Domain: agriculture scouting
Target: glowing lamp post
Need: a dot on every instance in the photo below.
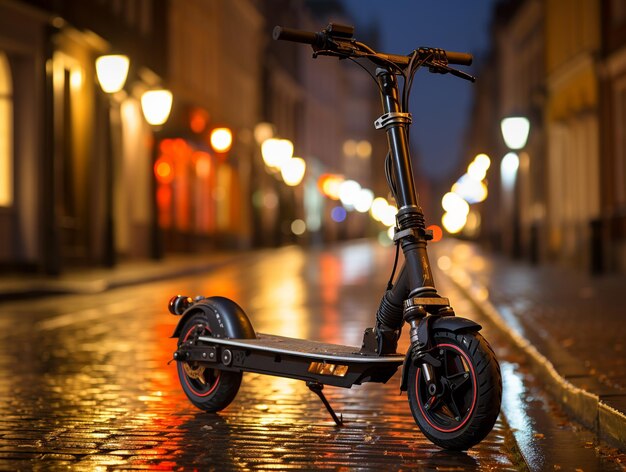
(293, 171)
(221, 140)
(156, 106)
(515, 132)
(276, 152)
(111, 71)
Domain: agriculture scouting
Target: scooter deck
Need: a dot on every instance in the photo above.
(304, 348)
(311, 361)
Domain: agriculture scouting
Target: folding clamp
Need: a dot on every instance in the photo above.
(393, 118)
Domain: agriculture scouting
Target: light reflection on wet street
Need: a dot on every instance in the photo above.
(85, 380)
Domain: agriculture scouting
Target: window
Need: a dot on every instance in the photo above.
(6, 132)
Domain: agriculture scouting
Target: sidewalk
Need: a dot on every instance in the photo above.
(85, 281)
(571, 325)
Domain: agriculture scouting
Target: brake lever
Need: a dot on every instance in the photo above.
(439, 68)
(461, 74)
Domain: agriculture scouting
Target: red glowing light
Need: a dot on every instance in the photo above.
(437, 233)
(163, 171)
(166, 146)
(198, 120)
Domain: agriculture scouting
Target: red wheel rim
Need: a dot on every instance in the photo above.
(470, 411)
(186, 378)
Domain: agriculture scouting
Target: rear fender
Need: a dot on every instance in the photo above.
(453, 324)
(231, 318)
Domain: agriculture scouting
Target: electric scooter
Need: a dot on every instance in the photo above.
(450, 372)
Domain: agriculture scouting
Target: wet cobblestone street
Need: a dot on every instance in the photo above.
(86, 383)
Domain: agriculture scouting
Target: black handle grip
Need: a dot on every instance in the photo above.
(461, 58)
(297, 36)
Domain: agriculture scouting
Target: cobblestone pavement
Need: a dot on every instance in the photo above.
(85, 382)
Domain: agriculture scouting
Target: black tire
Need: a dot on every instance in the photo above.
(469, 391)
(208, 389)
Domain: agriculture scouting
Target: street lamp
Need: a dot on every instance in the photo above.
(293, 171)
(156, 106)
(276, 152)
(111, 71)
(221, 140)
(515, 132)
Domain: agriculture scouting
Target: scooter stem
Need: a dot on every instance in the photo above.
(411, 232)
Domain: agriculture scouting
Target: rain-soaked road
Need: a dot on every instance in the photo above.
(85, 380)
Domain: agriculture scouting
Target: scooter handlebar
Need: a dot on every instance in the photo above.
(297, 36)
(319, 40)
(460, 58)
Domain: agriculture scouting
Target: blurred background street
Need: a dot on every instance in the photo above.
(149, 148)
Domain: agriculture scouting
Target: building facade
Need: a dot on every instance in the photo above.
(560, 65)
(86, 182)
(62, 140)
(610, 235)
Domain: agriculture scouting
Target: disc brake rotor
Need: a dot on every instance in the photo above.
(194, 372)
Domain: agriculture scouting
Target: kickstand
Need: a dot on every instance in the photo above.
(317, 389)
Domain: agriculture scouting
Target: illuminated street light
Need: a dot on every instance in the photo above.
(329, 185)
(476, 172)
(221, 139)
(348, 193)
(298, 227)
(389, 216)
(483, 161)
(515, 131)
(377, 210)
(293, 171)
(363, 149)
(349, 148)
(276, 152)
(453, 203)
(364, 200)
(156, 106)
(471, 190)
(112, 71)
(508, 169)
(453, 222)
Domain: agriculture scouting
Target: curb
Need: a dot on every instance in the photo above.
(587, 408)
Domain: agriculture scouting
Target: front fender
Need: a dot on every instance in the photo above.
(235, 321)
(442, 323)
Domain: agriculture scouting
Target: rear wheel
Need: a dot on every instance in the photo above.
(208, 389)
(466, 403)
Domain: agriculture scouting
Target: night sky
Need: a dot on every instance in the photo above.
(440, 104)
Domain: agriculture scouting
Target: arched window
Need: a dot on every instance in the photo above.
(6, 132)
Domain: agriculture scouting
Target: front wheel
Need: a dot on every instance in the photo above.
(468, 383)
(208, 389)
